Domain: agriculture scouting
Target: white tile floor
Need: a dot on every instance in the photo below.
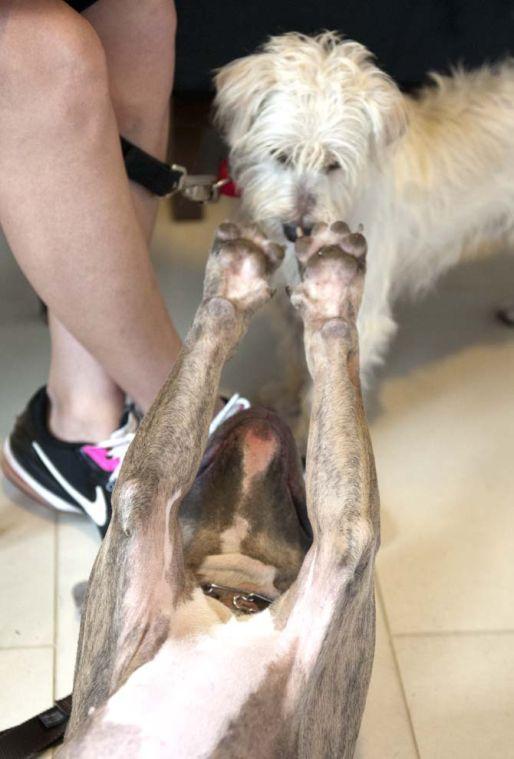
(443, 431)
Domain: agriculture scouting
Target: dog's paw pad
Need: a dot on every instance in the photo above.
(322, 236)
(332, 264)
(230, 236)
(241, 263)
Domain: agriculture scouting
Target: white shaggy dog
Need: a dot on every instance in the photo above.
(317, 132)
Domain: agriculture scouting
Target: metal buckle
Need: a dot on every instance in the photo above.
(249, 603)
(199, 188)
(246, 602)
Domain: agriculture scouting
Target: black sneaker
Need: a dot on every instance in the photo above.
(73, 477)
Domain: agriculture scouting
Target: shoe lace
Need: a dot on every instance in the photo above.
(235, 404)
(117, 444)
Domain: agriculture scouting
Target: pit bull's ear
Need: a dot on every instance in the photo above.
(241, 89)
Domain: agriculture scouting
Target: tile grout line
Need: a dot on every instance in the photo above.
(396, 663)
(450, 633)
(29, 647)
(56, 603)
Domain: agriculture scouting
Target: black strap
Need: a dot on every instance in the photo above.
(38, 733)
(158, 177)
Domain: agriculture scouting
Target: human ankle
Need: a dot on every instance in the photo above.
(88, 419)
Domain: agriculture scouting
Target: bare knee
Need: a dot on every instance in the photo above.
(156, 22)
(52, 67)
(140, 53)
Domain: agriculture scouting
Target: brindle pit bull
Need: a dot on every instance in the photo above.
(165, 668)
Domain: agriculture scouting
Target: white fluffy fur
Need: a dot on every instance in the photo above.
(430, 178)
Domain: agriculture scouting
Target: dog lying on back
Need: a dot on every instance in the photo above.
(317, 131)
(230, 610)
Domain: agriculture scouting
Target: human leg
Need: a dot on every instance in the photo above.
(138, 40)
(61, 168)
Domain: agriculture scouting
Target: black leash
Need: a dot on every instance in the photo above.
(38, 733)
(158, 177)
(163, 179)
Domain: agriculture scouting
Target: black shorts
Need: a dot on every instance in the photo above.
(80, 5)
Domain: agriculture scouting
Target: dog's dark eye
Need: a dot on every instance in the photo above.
(333, 166)
(282, 158)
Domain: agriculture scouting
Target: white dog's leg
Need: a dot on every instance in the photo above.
(376, 325)
(376, 330)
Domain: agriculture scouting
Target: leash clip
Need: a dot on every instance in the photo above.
(248, 602)
(199, 188)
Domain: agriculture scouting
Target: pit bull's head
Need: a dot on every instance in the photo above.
(245, 521)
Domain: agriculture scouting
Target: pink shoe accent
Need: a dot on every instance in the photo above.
(101, 457)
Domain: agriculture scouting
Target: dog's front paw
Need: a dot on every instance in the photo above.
(332, 266)
(240, 266)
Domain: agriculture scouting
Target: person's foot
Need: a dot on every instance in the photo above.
(75, 477)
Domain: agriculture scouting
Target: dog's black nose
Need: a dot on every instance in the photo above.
(290, 231)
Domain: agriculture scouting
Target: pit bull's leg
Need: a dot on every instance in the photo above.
(340, 478)
(138, 578)
(331, 609)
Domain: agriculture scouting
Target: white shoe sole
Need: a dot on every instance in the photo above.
(28, 485)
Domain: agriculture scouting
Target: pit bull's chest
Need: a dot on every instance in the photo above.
(211, 679)
(184, 700)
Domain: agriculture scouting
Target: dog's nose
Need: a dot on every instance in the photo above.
(291, 230)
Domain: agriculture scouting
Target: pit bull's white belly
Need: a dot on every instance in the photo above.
(181, 702)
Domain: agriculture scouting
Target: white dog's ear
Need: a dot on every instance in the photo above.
(241, 89)
(386, 109)
(377, 93)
